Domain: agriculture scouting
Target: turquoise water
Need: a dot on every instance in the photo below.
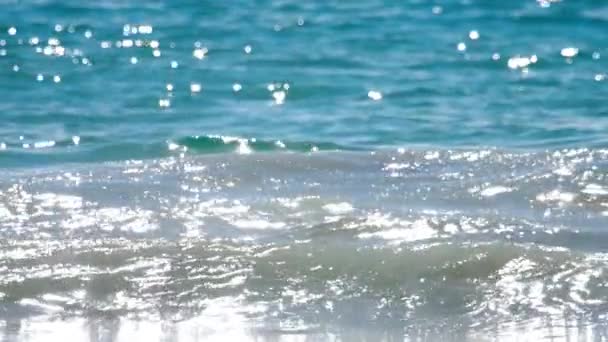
(329, 56)
(289, 170)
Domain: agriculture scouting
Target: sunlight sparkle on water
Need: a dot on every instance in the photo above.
(164, 103)
(199, 53)
(374, 95)
(569, 52)
(195, 87)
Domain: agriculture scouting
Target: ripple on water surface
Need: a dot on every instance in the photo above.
(291, 243)
(290, 171)
(462, 75)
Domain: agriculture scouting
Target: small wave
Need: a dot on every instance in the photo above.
(477, 237)
(86, 149)
(224, 144)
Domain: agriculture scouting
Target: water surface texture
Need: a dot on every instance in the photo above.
(303, 171)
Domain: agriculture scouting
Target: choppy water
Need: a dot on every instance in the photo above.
(284, 170)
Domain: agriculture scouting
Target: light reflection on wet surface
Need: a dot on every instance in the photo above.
(224, 217)
(294, 246)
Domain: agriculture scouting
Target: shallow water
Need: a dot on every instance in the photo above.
(479, 245)
(293, 171)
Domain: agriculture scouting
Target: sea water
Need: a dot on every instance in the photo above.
(303, 171)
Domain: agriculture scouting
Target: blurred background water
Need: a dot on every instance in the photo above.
(126, 77)
(291, 170)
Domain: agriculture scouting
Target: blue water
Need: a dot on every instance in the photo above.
(286, 170)
(331, 55)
